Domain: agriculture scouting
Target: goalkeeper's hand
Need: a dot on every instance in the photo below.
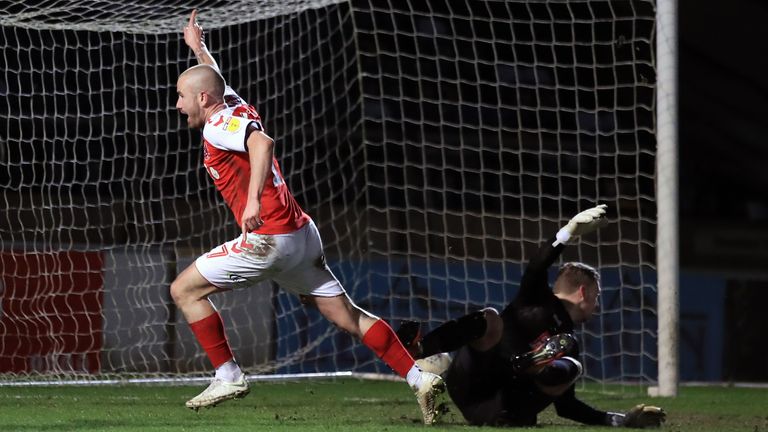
(584, 222)
(639, 417)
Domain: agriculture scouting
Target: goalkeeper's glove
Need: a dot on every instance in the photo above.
(640, 416)
(584, 222)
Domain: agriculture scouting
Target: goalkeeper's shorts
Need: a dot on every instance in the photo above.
(295, 261)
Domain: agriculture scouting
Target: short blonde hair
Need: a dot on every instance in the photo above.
(575, 274)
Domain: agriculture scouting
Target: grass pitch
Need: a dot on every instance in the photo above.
(333, 405)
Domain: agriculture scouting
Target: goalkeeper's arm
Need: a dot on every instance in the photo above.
(533, 284)
(195, 40)
(640, 416)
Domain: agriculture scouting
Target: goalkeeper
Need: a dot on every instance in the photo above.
(278, 241)
(511, 366)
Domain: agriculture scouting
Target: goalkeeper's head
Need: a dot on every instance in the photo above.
(578, 285)
(201, 93)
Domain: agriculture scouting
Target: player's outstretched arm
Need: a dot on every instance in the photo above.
(195, 40)
(640, 417)
(583, 223)
(534, 281)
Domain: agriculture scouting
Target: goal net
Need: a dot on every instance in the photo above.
(435, 143)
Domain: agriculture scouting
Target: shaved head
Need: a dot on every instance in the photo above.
(204, 78)
(201, 93)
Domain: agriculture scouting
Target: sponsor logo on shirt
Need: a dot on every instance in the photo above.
(232, 125)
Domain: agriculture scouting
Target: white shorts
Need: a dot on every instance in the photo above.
(295, 261)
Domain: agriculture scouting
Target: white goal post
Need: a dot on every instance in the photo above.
(667, 233)
(435, 143)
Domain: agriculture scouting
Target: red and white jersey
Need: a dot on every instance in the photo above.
(225, 157)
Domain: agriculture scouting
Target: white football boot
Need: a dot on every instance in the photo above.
(219, 391)
(432, 386)
(436, 364)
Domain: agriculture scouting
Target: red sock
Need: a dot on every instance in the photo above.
(209, 332)
(382, 340)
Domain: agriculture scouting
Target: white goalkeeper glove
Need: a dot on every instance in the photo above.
(584, 222)
(639, 417)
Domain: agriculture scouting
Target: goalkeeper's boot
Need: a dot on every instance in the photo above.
(553, 348)
(409, 334)
(219, 391)
(428, 395)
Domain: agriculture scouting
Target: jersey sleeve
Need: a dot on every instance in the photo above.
(228, 132)
(229, 128)
(568, 406)
(534, 282)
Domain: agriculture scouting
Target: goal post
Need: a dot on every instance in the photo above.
(435, 143)
(667, 245)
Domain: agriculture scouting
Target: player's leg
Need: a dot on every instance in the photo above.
(190, 292)
(482, 330)
(374, 332)
(484, 397)
(241, 262)
(377, 335)
(311, 278)
(552, 370)
(551, 349)
(556, 377)
(494, 327)
(476, 387)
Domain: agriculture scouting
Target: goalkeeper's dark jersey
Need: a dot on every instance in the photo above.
(533, 316)
(484, 385)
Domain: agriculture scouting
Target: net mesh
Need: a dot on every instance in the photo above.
(436, 144)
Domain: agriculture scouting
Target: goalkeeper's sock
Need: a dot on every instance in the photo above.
(209, 332)
(564, 370)
(381, 339)
(454, 334)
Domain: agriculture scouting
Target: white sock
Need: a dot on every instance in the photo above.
(414, 377)
(229, 372)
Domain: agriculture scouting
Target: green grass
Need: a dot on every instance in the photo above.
(333, 405)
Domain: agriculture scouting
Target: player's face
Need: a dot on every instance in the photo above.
(590, 303)
(188, 104)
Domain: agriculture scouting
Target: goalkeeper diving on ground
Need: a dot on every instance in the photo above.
(509, 367)
(278, 240)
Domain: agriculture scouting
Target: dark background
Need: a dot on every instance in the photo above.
(723, 178)
(723, 143)
(144, 165)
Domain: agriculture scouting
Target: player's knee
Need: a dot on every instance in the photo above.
(473, 325)
(490, 323)
(494, 323)
(182, 293)
(490, 314)
(178, 293)
(558, 376)
(342, 314)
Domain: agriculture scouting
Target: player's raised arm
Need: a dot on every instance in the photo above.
(533, 285)
(195, 40)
